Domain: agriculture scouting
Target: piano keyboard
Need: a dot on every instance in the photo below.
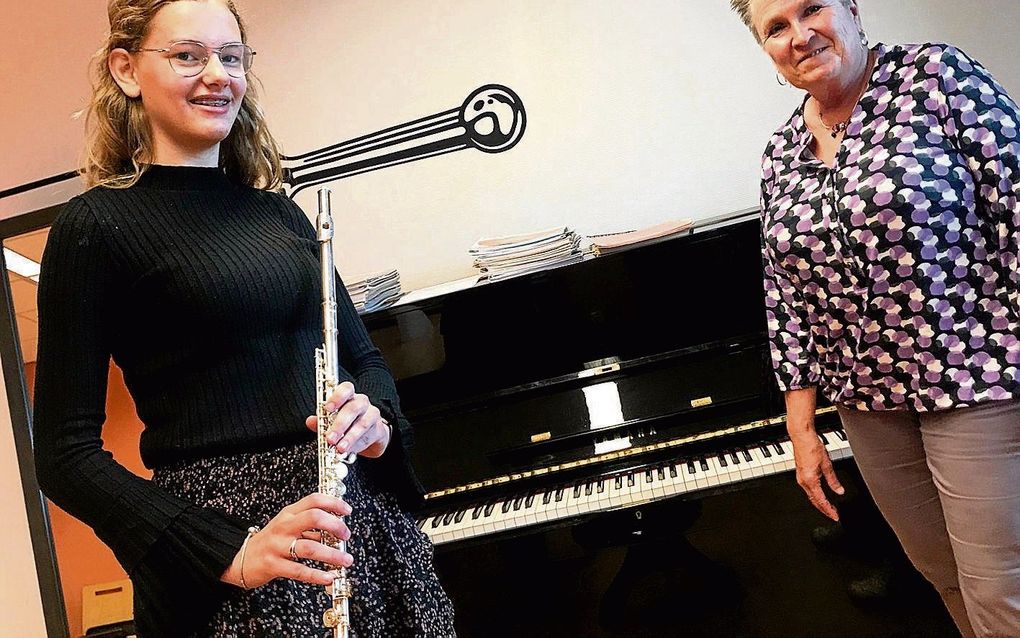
(623, 489)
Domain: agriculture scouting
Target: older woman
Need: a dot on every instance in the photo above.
(891, 222)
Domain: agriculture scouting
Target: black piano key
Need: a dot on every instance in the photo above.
(475, 513)
(690, 467)
(436, 521)
(546, 498)
(588, 488)
(747, 456)
(507, 504)
(421, 523)
(577, 490)
(488, 508)
(528, 502)
(704, 464)
(448, 517)
(734, 458)
(460, 516)
(722, 460)
(648, 476)
(601, 486)
(766, 451)
(824, 438)
(778, 448)
(618, 483)
(630, 480)
(661, 472)
(559, 495)
(841, 434)
(672, 471)
(518, 502)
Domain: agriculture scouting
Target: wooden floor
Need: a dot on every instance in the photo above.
(740, 564)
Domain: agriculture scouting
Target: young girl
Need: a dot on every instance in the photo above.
(184, 266)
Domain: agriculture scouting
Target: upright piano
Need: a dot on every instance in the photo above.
(561, 414)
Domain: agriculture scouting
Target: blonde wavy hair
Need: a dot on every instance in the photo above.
(118, 137)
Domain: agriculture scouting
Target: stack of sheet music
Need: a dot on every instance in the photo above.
(375, 291)
(501, 257)
(613, 242)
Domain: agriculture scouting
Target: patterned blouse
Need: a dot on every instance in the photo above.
(892, 279)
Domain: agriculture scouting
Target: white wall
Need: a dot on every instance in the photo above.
(20, 605)
(638, 111)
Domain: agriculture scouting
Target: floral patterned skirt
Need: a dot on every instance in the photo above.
(396, 592)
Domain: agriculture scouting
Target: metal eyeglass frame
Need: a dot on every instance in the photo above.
(208, 56)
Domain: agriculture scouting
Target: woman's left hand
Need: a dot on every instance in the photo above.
(357, 427)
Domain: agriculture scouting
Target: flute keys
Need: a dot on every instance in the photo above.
(330, 618)
(341, 471)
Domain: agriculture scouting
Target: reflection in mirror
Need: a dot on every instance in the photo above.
(95, 587)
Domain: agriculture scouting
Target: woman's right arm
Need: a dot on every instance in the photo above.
(813, 462)
(173, 550)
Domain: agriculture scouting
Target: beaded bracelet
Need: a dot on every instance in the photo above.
(244, 546)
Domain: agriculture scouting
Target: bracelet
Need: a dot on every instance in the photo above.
(244, 546)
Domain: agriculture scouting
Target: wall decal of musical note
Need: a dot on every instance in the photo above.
(491, 119)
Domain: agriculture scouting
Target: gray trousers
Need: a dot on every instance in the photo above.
(948, 482)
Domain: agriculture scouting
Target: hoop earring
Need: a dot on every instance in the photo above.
(780, 81)
(864, 39)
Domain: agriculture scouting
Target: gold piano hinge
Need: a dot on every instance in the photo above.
(702, 402)
(538, 438)
(695, 438)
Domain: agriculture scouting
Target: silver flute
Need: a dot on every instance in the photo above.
(333, 466)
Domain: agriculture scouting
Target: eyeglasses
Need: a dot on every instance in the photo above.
(189, 58)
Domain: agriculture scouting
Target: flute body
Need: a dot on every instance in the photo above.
(333, 466)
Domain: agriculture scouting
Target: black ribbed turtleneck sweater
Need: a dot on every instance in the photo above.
(206, 294)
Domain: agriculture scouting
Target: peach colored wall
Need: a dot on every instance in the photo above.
(81, 557)
(43, 52)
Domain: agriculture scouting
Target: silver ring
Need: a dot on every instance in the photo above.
(293, 549)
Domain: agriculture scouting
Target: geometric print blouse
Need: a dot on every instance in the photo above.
(892, 278)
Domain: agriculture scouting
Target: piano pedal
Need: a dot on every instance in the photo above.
(657, 520)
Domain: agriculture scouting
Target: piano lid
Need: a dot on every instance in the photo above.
(549, 327)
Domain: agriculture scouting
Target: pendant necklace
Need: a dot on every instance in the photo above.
(839, 127)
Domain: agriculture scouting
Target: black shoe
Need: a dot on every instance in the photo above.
(873, 590)
(887, 585)
(830, 538)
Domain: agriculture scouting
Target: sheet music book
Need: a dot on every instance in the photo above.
(374, 291)
(502, 257)
(612, 242)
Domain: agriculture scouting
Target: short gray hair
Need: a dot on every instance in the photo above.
(743, 9)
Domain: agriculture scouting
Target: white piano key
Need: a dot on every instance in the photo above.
(787, 455)
(757, 461)
(716, 474)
